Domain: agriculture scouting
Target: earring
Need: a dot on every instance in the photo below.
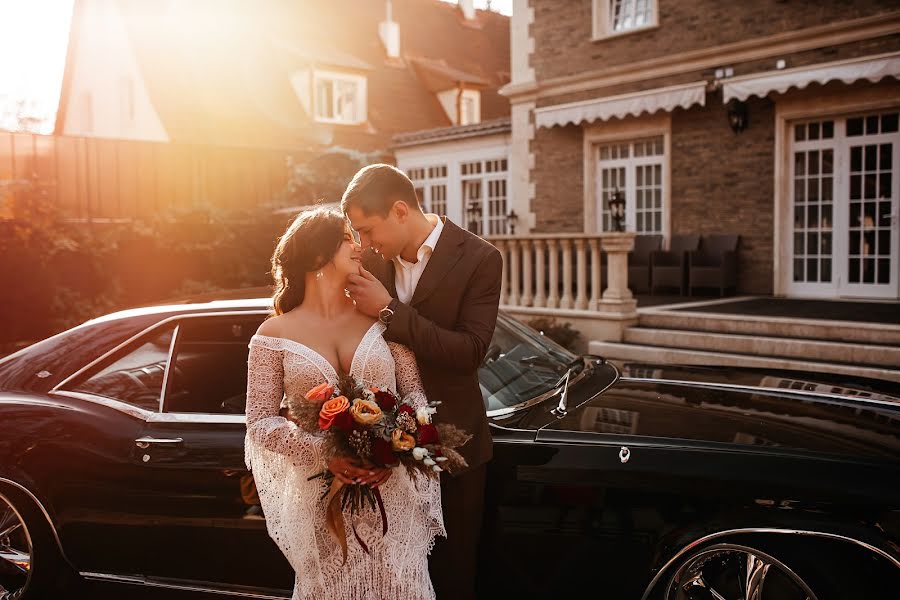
(319, 274)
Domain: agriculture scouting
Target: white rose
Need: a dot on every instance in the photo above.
(423, 415)
(419, 453)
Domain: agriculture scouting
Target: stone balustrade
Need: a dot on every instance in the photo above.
(563, 271)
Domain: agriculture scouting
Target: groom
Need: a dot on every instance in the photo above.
(437, 288)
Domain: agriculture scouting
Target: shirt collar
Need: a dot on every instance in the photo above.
(427, 246)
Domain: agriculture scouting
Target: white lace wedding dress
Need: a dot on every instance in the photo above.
(281, 456)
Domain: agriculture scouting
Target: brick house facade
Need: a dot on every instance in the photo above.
(594, 80)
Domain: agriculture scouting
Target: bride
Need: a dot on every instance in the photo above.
(316, 334)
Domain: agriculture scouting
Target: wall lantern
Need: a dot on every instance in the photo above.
(617, 209)
(737, 115)
(473, 214)
(511, 220)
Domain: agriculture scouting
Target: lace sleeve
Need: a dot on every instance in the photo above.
(409, 384)
(267, 431)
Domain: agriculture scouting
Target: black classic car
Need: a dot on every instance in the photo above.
(121, 460)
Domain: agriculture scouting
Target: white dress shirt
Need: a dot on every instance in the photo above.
(407, 274)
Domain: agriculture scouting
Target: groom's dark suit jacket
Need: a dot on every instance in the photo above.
(448, 324)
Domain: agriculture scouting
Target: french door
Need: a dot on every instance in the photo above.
(845, 200)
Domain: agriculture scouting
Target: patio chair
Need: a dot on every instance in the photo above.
(715, 264)
(668, 268)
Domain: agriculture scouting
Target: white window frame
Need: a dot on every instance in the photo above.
(360, 101)
(628, 130)
(432, 176)
(498, 175)
(602, 19)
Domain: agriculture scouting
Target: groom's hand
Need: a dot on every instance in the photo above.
(368, 293)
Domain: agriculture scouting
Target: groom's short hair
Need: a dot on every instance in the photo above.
(375, 188)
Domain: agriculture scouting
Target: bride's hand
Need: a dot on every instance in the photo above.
(349, 472)
(382, 474)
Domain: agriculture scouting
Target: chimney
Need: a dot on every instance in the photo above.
(468, 9)
(389, 32)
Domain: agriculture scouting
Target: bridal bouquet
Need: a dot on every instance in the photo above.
(375, 427)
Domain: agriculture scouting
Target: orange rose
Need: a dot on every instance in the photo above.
(365, 412)
(332, 409)
(401, 442)
(320, 393)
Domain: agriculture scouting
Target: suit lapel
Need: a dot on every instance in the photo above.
(445, 256)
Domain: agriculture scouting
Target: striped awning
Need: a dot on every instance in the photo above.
(634, 104)
(871, 68)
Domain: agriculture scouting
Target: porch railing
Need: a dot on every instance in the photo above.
(563, 271)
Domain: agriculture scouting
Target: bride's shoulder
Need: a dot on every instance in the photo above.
(272, 327)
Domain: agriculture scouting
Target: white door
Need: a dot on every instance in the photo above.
(844, 204)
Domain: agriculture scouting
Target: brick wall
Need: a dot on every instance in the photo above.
(562, 29)
(558, 175)
(723, 182)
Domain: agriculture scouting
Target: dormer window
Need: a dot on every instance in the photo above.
(339, 97)
(616, 17)
(462, 108)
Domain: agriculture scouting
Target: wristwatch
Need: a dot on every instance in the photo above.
(387, 313)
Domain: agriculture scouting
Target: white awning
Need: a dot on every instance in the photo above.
(635, 104)
(872, 68)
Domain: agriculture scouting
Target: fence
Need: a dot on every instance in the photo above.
(99, 179)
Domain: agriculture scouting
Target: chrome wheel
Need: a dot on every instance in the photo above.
(15, 552)
(732, 572)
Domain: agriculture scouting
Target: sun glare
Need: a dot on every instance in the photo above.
(33, 39)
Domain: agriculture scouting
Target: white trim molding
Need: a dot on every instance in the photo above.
(635, 104)
(871, 68)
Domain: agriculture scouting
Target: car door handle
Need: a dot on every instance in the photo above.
(144, 442)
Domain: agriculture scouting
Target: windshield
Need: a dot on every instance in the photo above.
(521, 364)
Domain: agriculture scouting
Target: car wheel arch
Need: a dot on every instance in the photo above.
(39, 506)
(764, 539)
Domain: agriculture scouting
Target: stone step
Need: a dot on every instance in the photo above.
(810, 329)
(757, 345)
(663, 355)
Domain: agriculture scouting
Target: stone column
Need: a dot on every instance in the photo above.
(514, 273)
(617, 297)
(566, 300)
(595, 275)
(553, 259)
(527, 278)
(540, 281)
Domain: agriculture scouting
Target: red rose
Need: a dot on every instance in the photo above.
(343, 421)
(386, 400)
(382, 453)
(406, 408)
(428, 434)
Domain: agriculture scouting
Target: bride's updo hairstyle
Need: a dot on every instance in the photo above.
(309, 243)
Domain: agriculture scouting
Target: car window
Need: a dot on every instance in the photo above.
(209, 365)
(520, 364)
(135, 377)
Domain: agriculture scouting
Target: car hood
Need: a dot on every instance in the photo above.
(680, 405)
